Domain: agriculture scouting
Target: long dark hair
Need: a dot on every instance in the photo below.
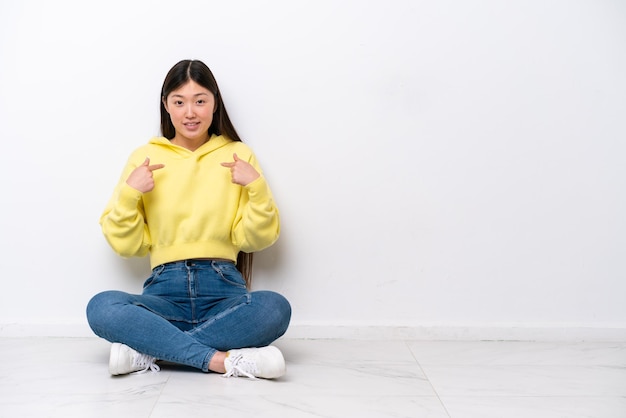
(197, 71)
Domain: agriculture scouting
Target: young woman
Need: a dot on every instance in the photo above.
(196, 201)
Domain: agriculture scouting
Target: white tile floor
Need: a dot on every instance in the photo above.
(57, 377)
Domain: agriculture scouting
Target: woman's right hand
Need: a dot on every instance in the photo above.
(141, 178)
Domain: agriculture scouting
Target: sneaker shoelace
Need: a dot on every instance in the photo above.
(145, 362)
(241, 367)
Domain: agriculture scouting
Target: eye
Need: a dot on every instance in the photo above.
(178, 102)
(201, 101)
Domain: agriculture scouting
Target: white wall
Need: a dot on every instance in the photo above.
(451, 164)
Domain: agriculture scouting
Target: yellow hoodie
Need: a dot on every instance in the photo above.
(194, 210)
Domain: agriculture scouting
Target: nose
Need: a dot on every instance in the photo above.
(189, 111)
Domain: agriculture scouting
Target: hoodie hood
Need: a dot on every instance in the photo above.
(215, 142)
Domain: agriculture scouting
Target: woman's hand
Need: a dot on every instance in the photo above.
(242, 172)
(141, 177)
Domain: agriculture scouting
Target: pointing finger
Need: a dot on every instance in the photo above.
(155, 167)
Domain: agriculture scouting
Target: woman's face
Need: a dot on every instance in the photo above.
(191, 109)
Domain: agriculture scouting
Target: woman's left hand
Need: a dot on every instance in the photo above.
(242, 172)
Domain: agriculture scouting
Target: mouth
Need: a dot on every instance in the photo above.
(191, 126)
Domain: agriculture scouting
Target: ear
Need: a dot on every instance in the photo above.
(165, 104)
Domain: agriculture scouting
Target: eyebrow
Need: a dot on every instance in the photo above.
(195, 95)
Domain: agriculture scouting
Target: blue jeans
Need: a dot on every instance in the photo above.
(188, 311)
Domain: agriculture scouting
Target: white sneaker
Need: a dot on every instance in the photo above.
(264, 362)
(124, 360)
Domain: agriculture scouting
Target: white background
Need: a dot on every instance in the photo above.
(450, 164)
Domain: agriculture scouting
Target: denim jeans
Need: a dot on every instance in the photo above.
(188, 311)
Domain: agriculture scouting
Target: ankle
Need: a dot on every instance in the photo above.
(217, 362)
